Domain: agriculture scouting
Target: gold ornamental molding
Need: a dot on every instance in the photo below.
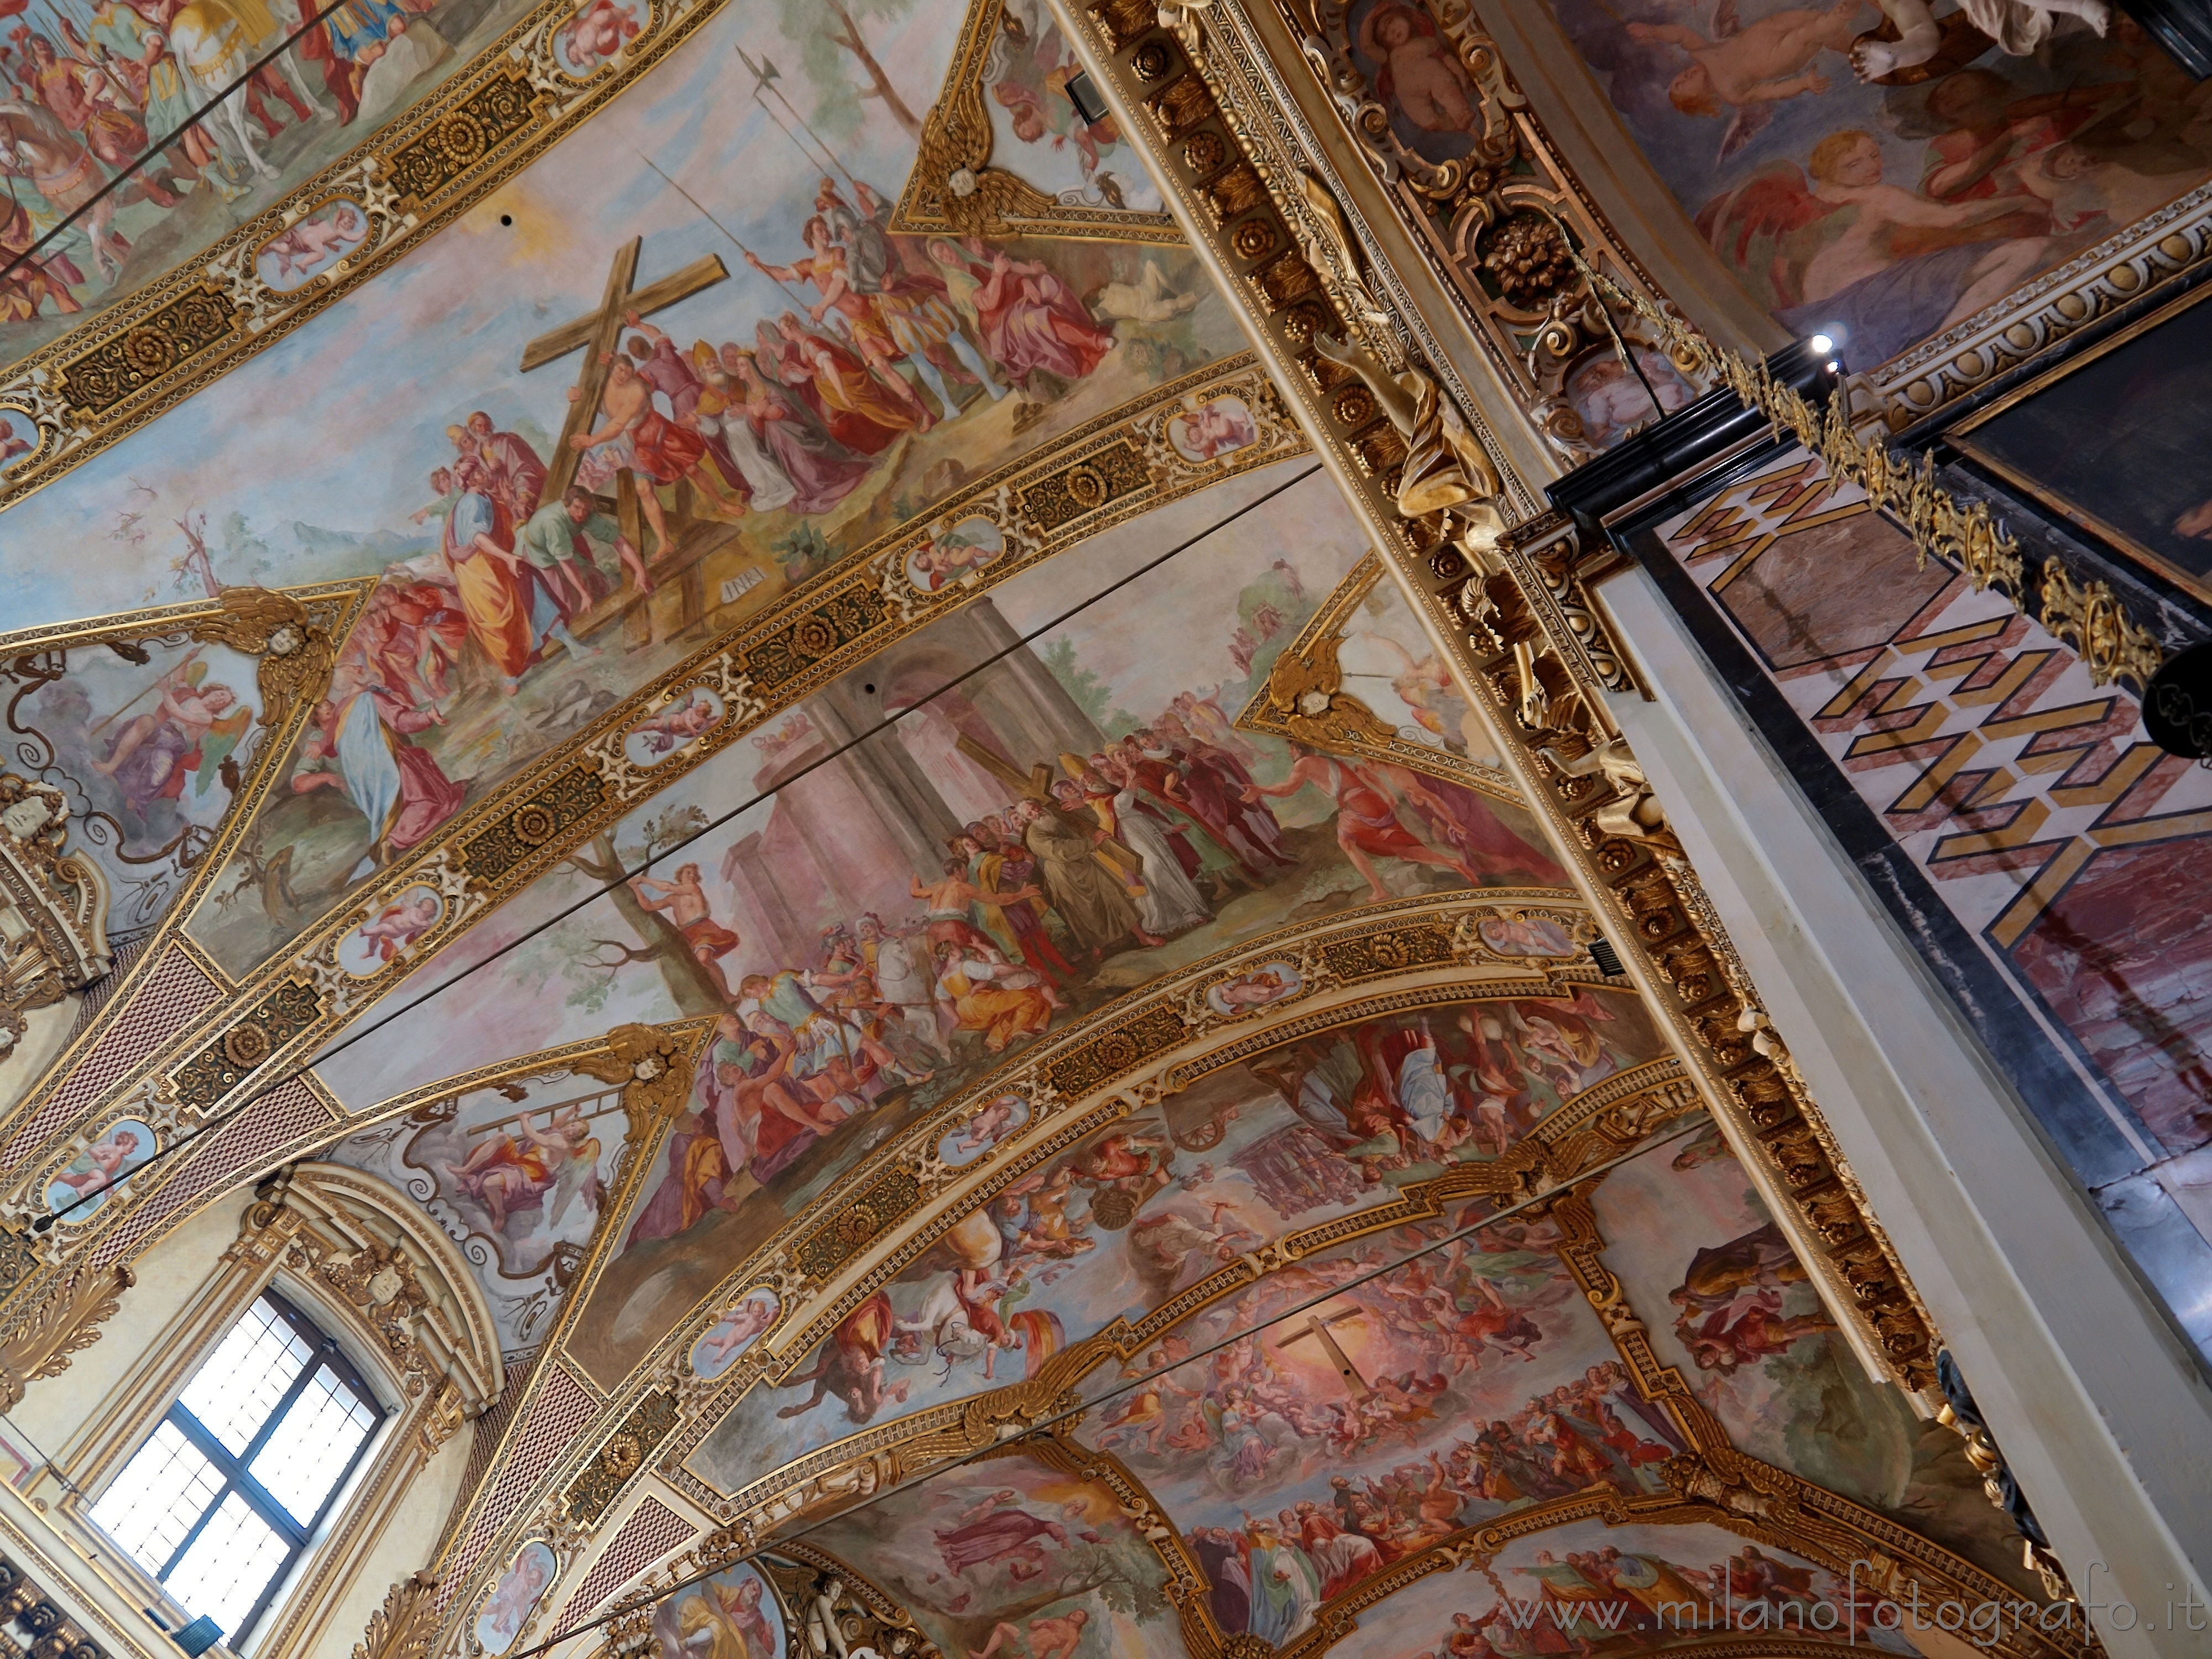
(1401, 955)
(293, 634)
(1499, 228)
(65, 1324)
(151, 349)
(953, 188)
(2111, 646)
(1504, 586)
(1711, 1483)
(1113, 469)
(2169, 244)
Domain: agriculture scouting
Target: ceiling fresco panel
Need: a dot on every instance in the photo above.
(1594, 1589)
(1735, 1314)
(1140, 1213)
(840, 861)
(98, 88)
(861, 706)
(1132, 463)
(1883, 214)
(1018, 1555)
(145, 740)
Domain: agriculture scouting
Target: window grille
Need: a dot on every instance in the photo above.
(235, 1482)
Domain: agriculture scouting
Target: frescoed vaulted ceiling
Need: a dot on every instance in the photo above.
(795, 749)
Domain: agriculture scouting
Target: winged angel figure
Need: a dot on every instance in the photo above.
(1742, 70)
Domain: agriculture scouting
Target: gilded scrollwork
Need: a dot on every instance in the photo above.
(1503, 224)
(65, 1322)
(53, 906)
(1536, 652)
(402, 1627)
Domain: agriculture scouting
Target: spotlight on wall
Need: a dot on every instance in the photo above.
(1822, 344)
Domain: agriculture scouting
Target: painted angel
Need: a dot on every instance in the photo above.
(1743, 70)
(193, 727)
(1419, 72)
(1425, 686)
(1846, 247)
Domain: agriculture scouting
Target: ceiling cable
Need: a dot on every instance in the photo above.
(1131, 1384)
(45, 1223)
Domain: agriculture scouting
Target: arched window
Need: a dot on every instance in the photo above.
(235, 1481)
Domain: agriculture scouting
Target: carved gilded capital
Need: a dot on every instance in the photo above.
(65, 1323)
(297, 653)
(403, 1626)
(53, 906)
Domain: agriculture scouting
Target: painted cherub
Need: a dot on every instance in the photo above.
(308, 243)
(2018, 26)
(1419, 71)
(393, 930)
(675, 725)
(1744, 68)
(600, 30)
(737, 1328)
(987, 1126)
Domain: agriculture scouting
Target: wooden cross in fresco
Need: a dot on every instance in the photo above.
(1317, 1329)
(1036, 785)
(596, 336)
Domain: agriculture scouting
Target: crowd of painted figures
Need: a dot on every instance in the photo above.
(1610, 1600)
(795, 420)
(1025, 905)
(1145, 839)
(100, 114)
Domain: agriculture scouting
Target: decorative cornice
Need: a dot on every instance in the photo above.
(1110, 471)
(2111, 645)
(2169, 243)
(1525, 632)
(148, 351)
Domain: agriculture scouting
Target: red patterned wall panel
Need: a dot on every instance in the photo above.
(651, 1532)
(175, 994)
(555, 1418)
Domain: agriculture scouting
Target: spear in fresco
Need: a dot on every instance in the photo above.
(765, 75)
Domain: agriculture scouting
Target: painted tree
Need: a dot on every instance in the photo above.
(832, 42)
(655, 938)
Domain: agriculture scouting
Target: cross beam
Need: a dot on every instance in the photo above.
(596, 336)
(1036, 785)
(1317, 1328)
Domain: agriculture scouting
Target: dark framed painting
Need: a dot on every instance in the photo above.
(2118, 440)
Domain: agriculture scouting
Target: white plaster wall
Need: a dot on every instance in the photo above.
(54, 1412)
(410, 1536)
(2096, 1403)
